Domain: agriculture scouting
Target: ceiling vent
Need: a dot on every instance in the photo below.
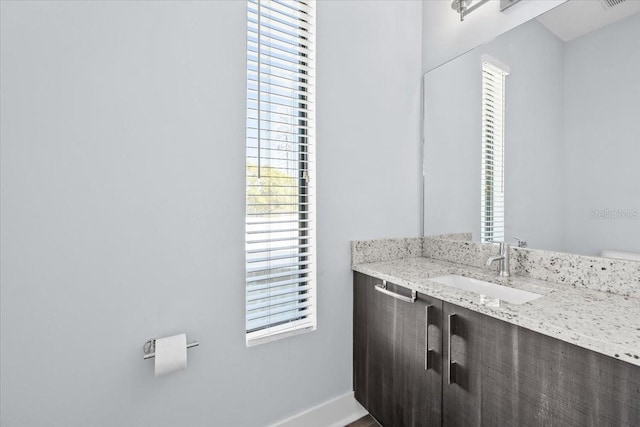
(611, 3)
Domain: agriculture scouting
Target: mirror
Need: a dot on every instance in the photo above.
(571, 132)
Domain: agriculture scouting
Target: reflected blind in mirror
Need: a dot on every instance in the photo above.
(280, 217)
(492, 176)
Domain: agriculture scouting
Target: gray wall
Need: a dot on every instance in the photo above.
(533, 129)
(122, 173)
(602, 138)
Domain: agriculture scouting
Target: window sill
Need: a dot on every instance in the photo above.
(279, 332)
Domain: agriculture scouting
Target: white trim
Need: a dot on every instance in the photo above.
(337, 412)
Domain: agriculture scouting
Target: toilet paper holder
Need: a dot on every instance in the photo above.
(149, 348)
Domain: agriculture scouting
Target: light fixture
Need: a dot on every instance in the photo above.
(465, 7)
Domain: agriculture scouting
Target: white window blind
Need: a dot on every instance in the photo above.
(493, 120)
(280, 216)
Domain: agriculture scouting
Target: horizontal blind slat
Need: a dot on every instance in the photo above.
(276, 249)
(275, 285)
(302, 6)
(253, 315)
(277, 320)
(268, 62)
(282, 77)
(278, 266)
(284, 30)
(277, 298)
(292, 9)
(288, 230)
(272, 257)
(272, 276)
(272, 96)
(297, 20)
(284, 239)
(280, 87)
(252, 124)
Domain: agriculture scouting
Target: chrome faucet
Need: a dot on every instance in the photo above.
(503, 260)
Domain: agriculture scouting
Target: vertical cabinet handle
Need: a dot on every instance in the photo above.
(451, 365)
(427, 352)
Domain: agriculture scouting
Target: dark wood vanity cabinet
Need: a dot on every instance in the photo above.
(482, 371)
(396, 354)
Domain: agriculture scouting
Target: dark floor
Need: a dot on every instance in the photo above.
(366, 421)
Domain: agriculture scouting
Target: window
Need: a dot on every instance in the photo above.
(280, 216)
(492, 178)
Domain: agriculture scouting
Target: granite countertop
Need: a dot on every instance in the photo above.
(603, 322)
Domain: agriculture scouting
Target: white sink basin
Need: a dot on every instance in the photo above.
(505, 293)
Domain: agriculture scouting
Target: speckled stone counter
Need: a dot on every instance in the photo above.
(600, 321)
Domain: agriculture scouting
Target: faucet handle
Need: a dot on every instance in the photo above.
(521, 243)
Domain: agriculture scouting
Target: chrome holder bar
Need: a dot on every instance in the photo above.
(383, 289)
(150, 347)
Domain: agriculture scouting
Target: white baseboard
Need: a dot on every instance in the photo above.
(337, 412)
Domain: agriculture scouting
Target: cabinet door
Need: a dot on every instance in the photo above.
(397, 371)
(505, 375)
(560, 384)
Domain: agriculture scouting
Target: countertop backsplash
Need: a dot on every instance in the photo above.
(366, 251)
(616, 276)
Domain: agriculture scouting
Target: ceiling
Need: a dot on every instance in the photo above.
(576, 18)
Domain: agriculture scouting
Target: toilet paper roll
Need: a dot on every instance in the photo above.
(171, 354)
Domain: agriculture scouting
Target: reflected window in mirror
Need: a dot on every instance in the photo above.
(492, 175)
